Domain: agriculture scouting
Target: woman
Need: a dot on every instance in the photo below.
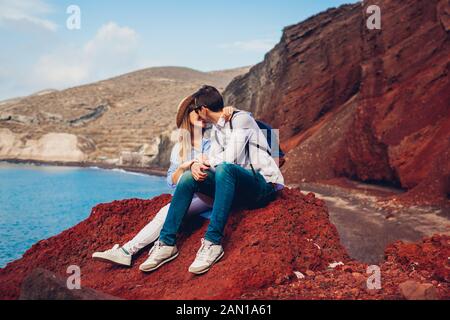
(191, 146)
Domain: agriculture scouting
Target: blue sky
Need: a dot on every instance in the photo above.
(39, 52)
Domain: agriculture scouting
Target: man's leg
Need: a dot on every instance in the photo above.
(236, 185)
(150, 233)
(182, 198)
(165, 250)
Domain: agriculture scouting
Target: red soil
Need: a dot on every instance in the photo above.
(263, 248)
(426, 262)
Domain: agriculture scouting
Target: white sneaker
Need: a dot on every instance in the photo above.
(159, 255)
(208, 254)
(115, 255)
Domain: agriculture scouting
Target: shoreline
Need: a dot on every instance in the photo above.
(151, 171)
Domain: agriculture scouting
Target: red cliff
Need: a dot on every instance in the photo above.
(371, 105)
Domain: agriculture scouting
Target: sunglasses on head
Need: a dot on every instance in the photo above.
(195, 107)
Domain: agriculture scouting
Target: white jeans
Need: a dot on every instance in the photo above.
(150, 232)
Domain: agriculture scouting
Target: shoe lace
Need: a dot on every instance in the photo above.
(203, 252)
(155, 247)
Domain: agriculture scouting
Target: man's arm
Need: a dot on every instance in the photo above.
(238, 138)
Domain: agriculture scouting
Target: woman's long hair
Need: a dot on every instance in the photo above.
(185, 135)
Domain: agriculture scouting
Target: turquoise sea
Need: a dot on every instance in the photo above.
(37, 202)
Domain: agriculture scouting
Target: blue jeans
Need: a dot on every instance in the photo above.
(235, 186)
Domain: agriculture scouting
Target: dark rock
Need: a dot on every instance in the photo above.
(42, 284)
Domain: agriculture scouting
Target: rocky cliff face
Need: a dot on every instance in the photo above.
(288, 250)
(127, 120)
(366, 104)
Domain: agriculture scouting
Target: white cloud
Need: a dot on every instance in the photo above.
(112, 51)
(26, 13)
(257, 45)
(112, 37)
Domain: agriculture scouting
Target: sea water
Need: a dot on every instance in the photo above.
(37, 202)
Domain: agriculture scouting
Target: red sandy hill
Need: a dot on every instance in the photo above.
(370, 105)
(263, 248)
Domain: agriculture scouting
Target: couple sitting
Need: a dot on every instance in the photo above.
(234, 168)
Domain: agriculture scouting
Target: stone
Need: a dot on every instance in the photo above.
(42, 284)
(310, 273)
(412, 290)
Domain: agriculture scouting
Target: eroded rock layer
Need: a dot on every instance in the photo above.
(372, 105)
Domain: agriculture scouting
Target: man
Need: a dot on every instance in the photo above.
(239, 171)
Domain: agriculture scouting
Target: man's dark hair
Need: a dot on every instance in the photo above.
(209, 97)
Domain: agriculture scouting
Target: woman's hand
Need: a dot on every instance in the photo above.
(186, 165)
(228, 113)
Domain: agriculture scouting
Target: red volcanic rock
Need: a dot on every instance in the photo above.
(371, 105)
(262, 248)
(412, 290)
(265, 251)
(431, 256)
(411, 271)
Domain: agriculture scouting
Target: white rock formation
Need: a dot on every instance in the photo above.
(50, 147)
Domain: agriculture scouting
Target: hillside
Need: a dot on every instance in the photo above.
(125, 120)
(370, 105)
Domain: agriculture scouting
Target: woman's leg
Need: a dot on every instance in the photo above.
(199, 205)
(150, 233)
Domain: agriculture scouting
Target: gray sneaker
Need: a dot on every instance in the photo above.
(158, 255)
(114, 255)
(208, 254)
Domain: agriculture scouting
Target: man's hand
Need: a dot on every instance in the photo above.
(198, 171)
(228, 113)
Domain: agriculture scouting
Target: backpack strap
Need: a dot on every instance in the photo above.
(260, 147)
(231, 119)
(247, 151)
(249, 143)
